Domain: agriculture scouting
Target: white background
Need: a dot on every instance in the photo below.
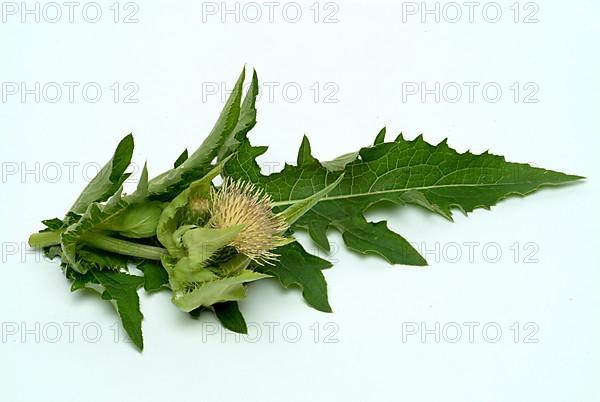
(173, 55)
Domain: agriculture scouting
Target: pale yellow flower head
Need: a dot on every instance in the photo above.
(241, 203)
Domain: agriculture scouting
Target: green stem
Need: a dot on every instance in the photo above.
(44, 239)
(119, 246)
(102, 242)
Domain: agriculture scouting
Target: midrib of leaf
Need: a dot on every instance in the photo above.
(405, 189)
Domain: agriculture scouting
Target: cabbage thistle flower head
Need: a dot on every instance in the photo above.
(242, 203)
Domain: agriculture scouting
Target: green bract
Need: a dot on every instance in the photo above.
(136, 221)
(205, 243)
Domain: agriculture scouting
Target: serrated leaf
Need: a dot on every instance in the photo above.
(230, 316)
(109, 178)
(296, 267)
(101, 261)
(402, 172)
(122, 288)
(448, 179)
(375, 238)
(246, 121)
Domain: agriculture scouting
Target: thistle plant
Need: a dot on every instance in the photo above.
(205, 243)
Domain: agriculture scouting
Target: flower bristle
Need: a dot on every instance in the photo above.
(242, 203)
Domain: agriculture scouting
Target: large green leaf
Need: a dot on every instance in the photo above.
(433, 176)
(121, 288)
(296, 267)
(109, 178)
